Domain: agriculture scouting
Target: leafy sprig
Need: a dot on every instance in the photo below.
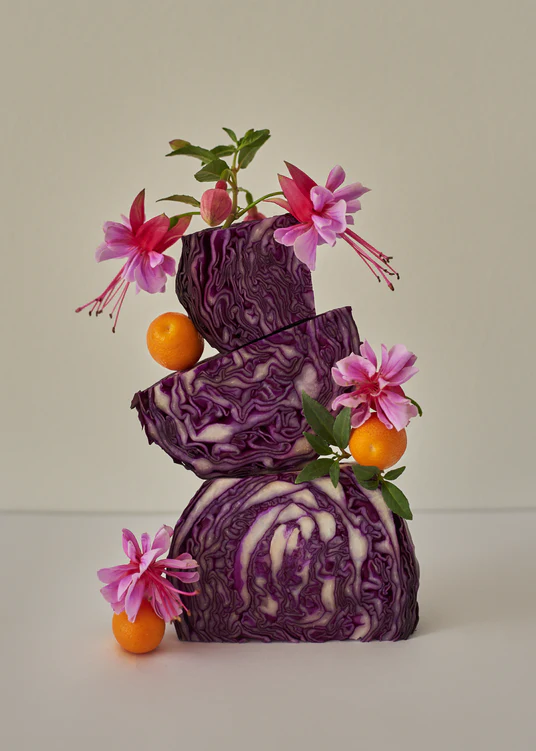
(215, 166)
(330, 441)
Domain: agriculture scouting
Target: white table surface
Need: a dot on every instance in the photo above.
(465, 681)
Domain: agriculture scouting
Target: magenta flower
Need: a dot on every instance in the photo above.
(324, 214)
(377, 389)
(142, 578)
(143, 244)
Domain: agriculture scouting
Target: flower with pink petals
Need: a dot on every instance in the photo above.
(143, 244)
(324, 214)
(377, 389)
(142, 578)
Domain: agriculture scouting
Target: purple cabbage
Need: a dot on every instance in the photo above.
(238, 284)
(240, 413)
(286, 562)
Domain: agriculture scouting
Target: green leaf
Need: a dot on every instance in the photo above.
(341, 428)
(223, 150)
(246, 136)
(174, 219)
(319, 418)
(196, 151)
(249, 197)
(370, 484)
(247, 153)
(252, 136)
(334, 473)
(396, 500)
(212, 171)
(364, 473)
(314, 470)
(394, 473)
(190, 200)
(419, 409)
(231, 134)
(318, 444)
(178, 143)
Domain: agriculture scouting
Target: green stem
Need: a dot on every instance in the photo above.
(251, 205)
(234, 189)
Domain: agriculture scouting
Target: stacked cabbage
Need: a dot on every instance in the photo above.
(288, 562)
(278, 561)
(238, 285)
(240, 413)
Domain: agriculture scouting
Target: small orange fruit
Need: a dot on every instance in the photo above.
(144, 635)
(174, 342)
(375, 445)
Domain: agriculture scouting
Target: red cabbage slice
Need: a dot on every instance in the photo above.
(240, 413)
(238, 284)
(286, 562)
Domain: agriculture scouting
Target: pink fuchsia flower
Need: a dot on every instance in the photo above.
(377, 389)
(216, 205)
(143, 244)
(324, 214)
(142, 578)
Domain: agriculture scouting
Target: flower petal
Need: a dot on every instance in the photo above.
(130, 545)
(188, 577)
(114, 573)
(106, 252)
(360, 415)
(323, 227)
(169, 265)
(303, 181)
(356, 369)
(320, 197)
(337, 215)
(280, 202)
(305, 248)
(145, 540)
(148, 279)
(395, 409)
(134, 598)
(289, 235)
(152, 232)
(124, 584)
(394, 360)
(173, 234)
(300, 204)
(110, 593)
(353, 206)
(352, 400)
(116, 234)
(137, 211)
(162, 539)
(339, 378)
(129, 269)
(335, 178)
(351, 192)
(367, 351)
(155, 259)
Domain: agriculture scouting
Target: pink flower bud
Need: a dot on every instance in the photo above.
(253, 215)
(216, 205)
(221, 184)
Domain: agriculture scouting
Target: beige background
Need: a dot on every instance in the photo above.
(429, 104)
